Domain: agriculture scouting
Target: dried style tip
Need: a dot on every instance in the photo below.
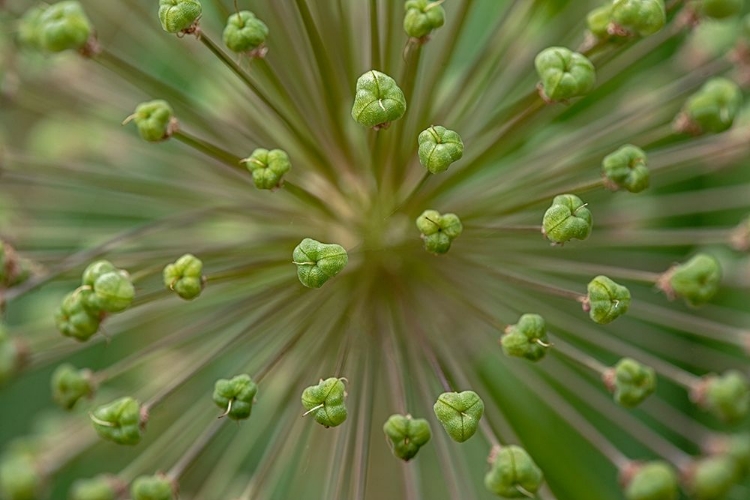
(70, 384)
(318, 262)
(568, 218)
(527, 338)
(63, 26)
(244, 32)
(606, 300)
(268, 167)
(712, 109)
(423, 17)
(438, 148)
(696, 281)
(406, 435)
(185, 276)
(565, 74)
(727, 396)
(637, 17)
(326, 402)
(120, 421)
(158, 487)
(651, 481)
(459, 412)
(630, 382)
(74, 319)
(378, 100)
(103, 487)
(179, 15)
(711, 478)
(235, 396)
(721, 9)
(438, 231)
(112, 292)
(626, 168)
(155, 120)
(20, 476)
(513, 473)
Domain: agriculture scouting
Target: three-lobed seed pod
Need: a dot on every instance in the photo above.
(606, 300)
(439, 148)
(155, 120)
(406, 435)
(318, 262)
(119, 421)
(564, 74)
(712, 109)
(513, 473)
(696, 281)
(244, 32)
(637, 17)
(326, 402)
(655, 480)
(422, 17)
(185, 276)
(74, 319)
(179, 15)
(630, 382)
(626, 168)
(527, 338)
(711, 478)
(102, 487)
(236, 396)
(378, 100)
(567, 218)
(459, 413)
(156, 487)
(438, 231)
(69, 385)
(63, 26)
(21, 476)
(268, 167)
(726, 396)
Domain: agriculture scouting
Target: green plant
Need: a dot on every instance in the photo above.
(559, 104)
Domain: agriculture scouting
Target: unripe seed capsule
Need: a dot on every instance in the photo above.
(513, 473)
(438, 231)
(70, 384)
(268, 167)
(606, 300)
(20, 476)
(696, 281)
(527, 338)
(565, 74)
(568, 218)
(235, 396)
(185, 276)
(326, 402)
(29, 28)
(630, 382)
(422, 17)
(711, 478)
(459, 412)
(378, 100)
(155, 120)
(712, 109)
(438, 148)
(179, 15)
(102, 487)
(158, 487)
(74, 318)
(638, 17)
(651, 481)
(318, 262)
(626, 168)
(598, 21)
(63, 26)
(726, 396)
(406, 435)
(113, 292)
(244, 32)
(119, 421)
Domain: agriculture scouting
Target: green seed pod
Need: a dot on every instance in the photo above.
(598, 21)
(179, 15)
(626, 168)
(69, 385)
(29, 28)
(438, 148)
(378, 100)
(13, 354)
(96, 269)
(527, 338)
(422, 17)
(325, 402)
(567, 219)
(712, 109)
(113, 292)
(631, 382)
(513, 473)
(638, 17)
(406, 435)
(158, 487)
(711, 478)
(268, 167)
(606, 300)
(102, 487)
(459, 412)
(64, 26)
(20, 477)
(244, 32)
(696, 281)
(737, 446)
(185, 276)
(74, 319)
(726, 396)
(438, 231)
(652, 481)
(235, 396)
(155, 120)
(721, 9)
(564, 73)
(119, 421)
(318, 262)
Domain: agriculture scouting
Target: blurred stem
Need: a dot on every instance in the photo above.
(578, 356)
(209, 149)
(195, 450)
